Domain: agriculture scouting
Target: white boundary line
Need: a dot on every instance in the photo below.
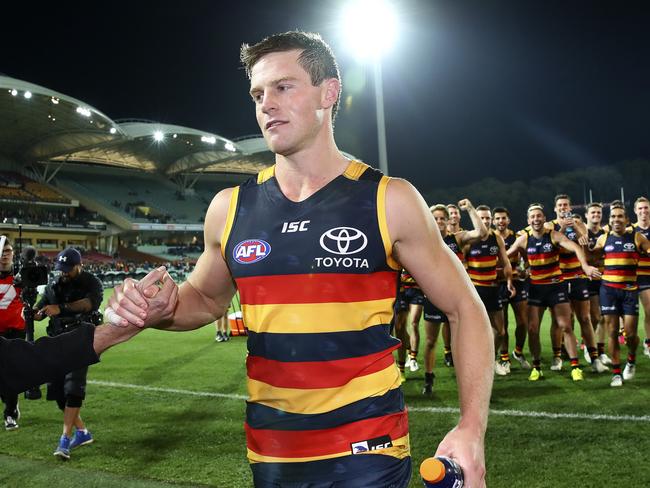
(503, 413)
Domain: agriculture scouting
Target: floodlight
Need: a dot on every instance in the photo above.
(369, 27)
(158, 136)
(14, 92)
(229, 146)
(113, 130)
(28, 95)
(83, 111)
(209, 139)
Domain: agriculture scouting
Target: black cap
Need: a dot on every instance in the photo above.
(67, 259)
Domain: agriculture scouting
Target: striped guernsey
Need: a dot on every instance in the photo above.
(621, 255)
(482, 260)
(317, 283)
(543, 258)
(644, 260)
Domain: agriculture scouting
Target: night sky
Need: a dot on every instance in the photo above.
(510, 89)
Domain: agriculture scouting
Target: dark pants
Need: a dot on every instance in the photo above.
(11, 399)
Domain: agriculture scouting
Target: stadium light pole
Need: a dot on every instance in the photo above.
(369, 28)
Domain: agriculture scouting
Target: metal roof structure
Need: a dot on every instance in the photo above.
(39, 125)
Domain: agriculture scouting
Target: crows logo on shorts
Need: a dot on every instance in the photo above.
(251, 251)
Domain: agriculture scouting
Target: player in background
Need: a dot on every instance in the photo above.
(519, 302)
(434, 317)
(577, 284)
(642, 225)
(547, 287)
(594, 217)
(482, 260)
(453, 226)
(621, 248)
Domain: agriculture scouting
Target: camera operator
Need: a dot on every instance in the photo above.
(74, 298)
(12, 323)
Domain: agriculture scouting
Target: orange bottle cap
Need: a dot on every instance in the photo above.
(432, 470)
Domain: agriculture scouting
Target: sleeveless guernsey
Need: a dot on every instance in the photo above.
(317, 283)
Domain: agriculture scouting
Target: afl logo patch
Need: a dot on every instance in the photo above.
(251, 251)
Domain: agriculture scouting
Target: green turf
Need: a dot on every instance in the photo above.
(156, 438)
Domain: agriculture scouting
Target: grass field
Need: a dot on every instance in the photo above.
(167, 409)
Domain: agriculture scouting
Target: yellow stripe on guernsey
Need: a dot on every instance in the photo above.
(322, 400)
(400, 450)
(305, 318)
(383, 225)
(230, 218)
(620, 262)
(265, 174)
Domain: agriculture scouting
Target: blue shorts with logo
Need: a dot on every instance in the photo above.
(578, 289)
(522, 292)
(409, 296)
(548, 295)
(616, 301)
(432, 313)
(489, 295)
(594, 288)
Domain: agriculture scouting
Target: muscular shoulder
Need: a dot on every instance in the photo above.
(406, 210)
(217, 214)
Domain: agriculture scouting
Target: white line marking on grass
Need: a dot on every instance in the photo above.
(541, 415)
(230, 396)
(504, 413)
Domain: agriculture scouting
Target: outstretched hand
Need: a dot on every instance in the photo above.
(148, 302)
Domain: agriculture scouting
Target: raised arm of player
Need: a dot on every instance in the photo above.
(642, 243)
(479, 231)
(203, 298)
(418, 246)
(518, 246)
(569, 245)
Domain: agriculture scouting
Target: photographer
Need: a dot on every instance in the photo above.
(12, 323)
(74, 298)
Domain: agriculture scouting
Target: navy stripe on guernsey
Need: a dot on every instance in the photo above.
(317, 283)
(644, 260)
(260, 416)
(569, 262)
(329, 347)
(452, 243)
(543, 259)
(482, 258)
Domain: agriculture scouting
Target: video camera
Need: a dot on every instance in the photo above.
(30, 274)
(60, 325)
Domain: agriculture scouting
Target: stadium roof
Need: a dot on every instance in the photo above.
(40, 125)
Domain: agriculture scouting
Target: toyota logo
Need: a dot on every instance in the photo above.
(343, 240)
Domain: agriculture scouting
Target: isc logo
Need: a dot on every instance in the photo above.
(251, 251)
(300, 226)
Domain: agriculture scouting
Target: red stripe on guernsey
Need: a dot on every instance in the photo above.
(317, 288)
(312, 443)
(309, 374)
(481, 259)
(622, 255)
(620, 272)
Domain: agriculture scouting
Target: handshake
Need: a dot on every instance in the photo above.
(149, 302)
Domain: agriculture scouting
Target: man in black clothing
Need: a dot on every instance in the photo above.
(24, 364)
(74, 297)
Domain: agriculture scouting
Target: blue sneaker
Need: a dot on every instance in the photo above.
(63, 449)
(81, 438)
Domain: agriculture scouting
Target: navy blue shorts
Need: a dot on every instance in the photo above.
(548, 295)
(578, 289)
(409, 296)
(616, 301)
(594, 288)
(489, 295)
(381, 472)
(432, 313)
(520, 296)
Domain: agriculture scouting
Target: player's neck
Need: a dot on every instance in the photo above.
(644, 224)
(502, 234)
(594, 227)
(303, 173)
(453, 229)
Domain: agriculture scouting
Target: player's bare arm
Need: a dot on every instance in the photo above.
(479, 232)
(517, 246)
(418, 245)
(203, 298)
(569, 245)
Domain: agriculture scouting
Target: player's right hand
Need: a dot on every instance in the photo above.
(145, 303)
(464, 204)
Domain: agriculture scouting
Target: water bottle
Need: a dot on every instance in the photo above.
(441, 472)
(569, 228)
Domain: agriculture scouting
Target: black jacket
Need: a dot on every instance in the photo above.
(24, 364)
